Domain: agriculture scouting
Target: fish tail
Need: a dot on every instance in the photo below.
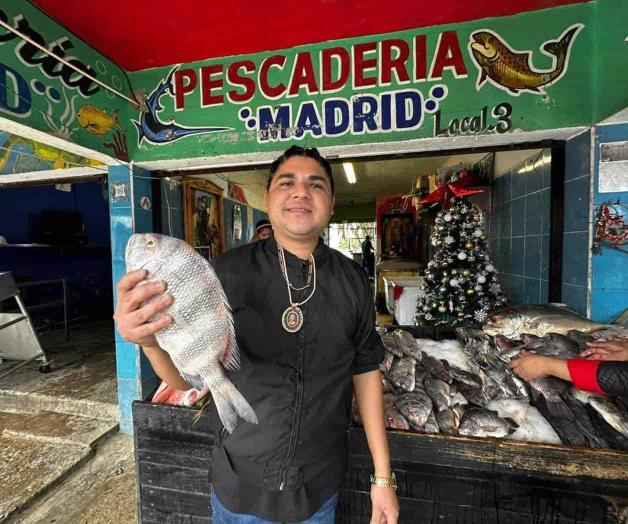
(557, 408)
(559, 48)
(230, 404)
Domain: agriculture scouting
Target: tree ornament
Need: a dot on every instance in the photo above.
(480, 315)
(453, 282)
(447, 217)
(466, 272)
(449, 240)
(481, 279)
(478, 233)
(490, 268)
(462, 255)
(442, 309)
(470, 291)
(478, 288)
(469, 245)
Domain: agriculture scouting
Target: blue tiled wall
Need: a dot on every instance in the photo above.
(519, 230)
(519, 227)
(136, 378)
(609, 279)
(576, 222)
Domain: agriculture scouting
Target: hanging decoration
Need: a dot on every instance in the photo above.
(610, 228)
(454, 188)
(237, 222)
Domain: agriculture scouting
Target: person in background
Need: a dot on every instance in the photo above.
(368, 257)
(604, 370)
(263, 230)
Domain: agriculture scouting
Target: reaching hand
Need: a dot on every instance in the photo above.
(530, 366)
(613, 349)
(385, 505)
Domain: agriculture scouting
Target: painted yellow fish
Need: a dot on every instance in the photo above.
(96, 120)
(512, 70)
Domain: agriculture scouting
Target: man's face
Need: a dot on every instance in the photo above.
(264, 233)
(299, 199)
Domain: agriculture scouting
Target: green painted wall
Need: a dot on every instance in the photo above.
(43, 94)
(611, 58)
(412, 84)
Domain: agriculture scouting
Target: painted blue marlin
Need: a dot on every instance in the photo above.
(154, 130)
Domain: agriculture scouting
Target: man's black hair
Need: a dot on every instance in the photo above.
(310, 152)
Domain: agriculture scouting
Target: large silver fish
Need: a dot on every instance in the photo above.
(201, 340)
(611, 412)
(538, 320)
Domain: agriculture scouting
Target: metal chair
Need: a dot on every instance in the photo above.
(9, 339)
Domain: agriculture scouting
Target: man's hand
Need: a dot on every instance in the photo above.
(613, 349)
(385, 505)
(133, 318)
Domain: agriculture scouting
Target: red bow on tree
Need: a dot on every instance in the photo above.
(445, 192)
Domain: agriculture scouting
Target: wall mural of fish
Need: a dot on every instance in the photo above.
(152, 129)
(512, 70)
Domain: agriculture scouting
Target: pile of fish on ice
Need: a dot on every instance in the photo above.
(464, 387)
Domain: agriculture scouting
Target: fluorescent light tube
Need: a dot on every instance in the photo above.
(350, 172)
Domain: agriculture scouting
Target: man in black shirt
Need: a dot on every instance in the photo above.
(305, 325)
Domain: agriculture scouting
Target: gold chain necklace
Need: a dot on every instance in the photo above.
(292, 318)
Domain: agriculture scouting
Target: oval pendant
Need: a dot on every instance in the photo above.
(292, 319)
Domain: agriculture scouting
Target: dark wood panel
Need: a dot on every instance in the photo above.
(441, 479)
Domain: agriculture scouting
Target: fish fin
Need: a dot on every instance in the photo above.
(231, 357)
(481, 79)
(559, 409)
(140, 132)
(230, 404)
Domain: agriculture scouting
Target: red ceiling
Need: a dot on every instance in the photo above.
(148, 33)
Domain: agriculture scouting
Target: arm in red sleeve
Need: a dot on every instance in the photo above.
(584, 374)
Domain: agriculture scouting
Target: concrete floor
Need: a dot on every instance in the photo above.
(61, 458)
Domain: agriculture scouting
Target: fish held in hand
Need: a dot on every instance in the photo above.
(201, 339)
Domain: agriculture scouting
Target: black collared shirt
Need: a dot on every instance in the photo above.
(299, 384)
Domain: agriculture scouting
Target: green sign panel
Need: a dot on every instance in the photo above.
(502, 75)
(40, 92)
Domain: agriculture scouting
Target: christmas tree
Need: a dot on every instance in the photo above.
(460, 283)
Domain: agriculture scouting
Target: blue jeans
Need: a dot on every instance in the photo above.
(221, 515)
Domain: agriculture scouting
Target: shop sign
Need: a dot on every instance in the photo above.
(41, 92)
(492, 76)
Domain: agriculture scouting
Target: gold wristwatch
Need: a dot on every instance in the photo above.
(385, 482)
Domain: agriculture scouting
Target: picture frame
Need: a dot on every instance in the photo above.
(203, 216)
(397, 237)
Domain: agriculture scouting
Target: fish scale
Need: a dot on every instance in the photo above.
(201, 339)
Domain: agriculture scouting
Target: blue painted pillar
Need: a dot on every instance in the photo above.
(609, 270)
(130, 210)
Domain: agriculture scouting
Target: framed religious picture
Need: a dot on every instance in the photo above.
(397, 235)
(203, 216)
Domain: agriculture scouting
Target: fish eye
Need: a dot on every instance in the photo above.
(151, 242)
